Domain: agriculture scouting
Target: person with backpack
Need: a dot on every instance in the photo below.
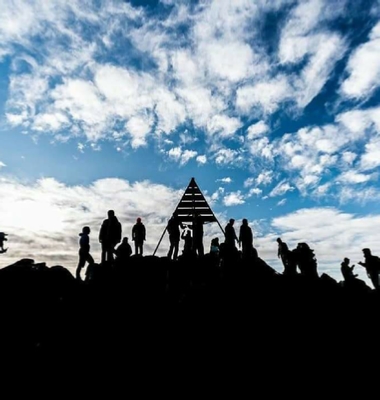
(138, 236)
(372, 266)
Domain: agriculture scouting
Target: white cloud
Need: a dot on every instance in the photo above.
(363, 67)
(233, 199)
(349, 157)
(181, 156)
(139, 127)
(268, 95)
(216, 195)
(249, 182)
(224, 59)
(2, 165)
(264, 178)
(257, 130)
(329, 48)
(358, 121)
(306, 37)
(371, 158)
(225, 180)
(223, 126)
(201, 160)
(350, 194)
(281, 202)
(254, 191)
(353, 177)
(261, 148)
(281, 188)
(226, 156)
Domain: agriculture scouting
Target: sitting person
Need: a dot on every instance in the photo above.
(124, 251)
(214, 247)
(347, 271)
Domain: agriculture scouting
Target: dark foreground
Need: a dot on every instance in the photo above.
(183, 319)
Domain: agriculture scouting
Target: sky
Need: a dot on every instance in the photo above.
(271, 105)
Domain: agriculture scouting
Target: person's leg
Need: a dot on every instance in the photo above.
(375, 280)
(110, 251)
(176, 245)
(104, 253)
(170, 252)
(82, 261)
(200, 248)
(90, 259)
(136, 248)
(141, 248)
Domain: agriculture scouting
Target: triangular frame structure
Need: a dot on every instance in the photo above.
(191, 205)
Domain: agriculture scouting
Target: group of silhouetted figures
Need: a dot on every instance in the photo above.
(303, 258)
(110, 236)
(300, 260)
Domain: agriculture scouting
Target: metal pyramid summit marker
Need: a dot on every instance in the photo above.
(193, 204)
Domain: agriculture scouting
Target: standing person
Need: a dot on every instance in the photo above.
(372, 266)
(188, 245)
(84, 251)
(246, 238)
(109, 236)
(198, 236)
(174, 235)
(287, 258)
(138, 236)
(230, 236)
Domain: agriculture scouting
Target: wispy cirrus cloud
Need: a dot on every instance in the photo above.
(364, 68)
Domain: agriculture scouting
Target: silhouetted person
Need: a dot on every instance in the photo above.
(287, 258)
(188, 245)
(2, 240)
(173, 228)
(109, 236)
(306, 260)
(198, 236)
(230, 236)
(372, 266)
(123, 251)
(138, 236)
(215, 247)
(347, 271)
(246, 239)
(84, 251)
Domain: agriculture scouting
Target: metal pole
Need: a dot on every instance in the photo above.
(160, 241)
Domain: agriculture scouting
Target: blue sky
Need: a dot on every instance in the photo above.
(273, 106)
